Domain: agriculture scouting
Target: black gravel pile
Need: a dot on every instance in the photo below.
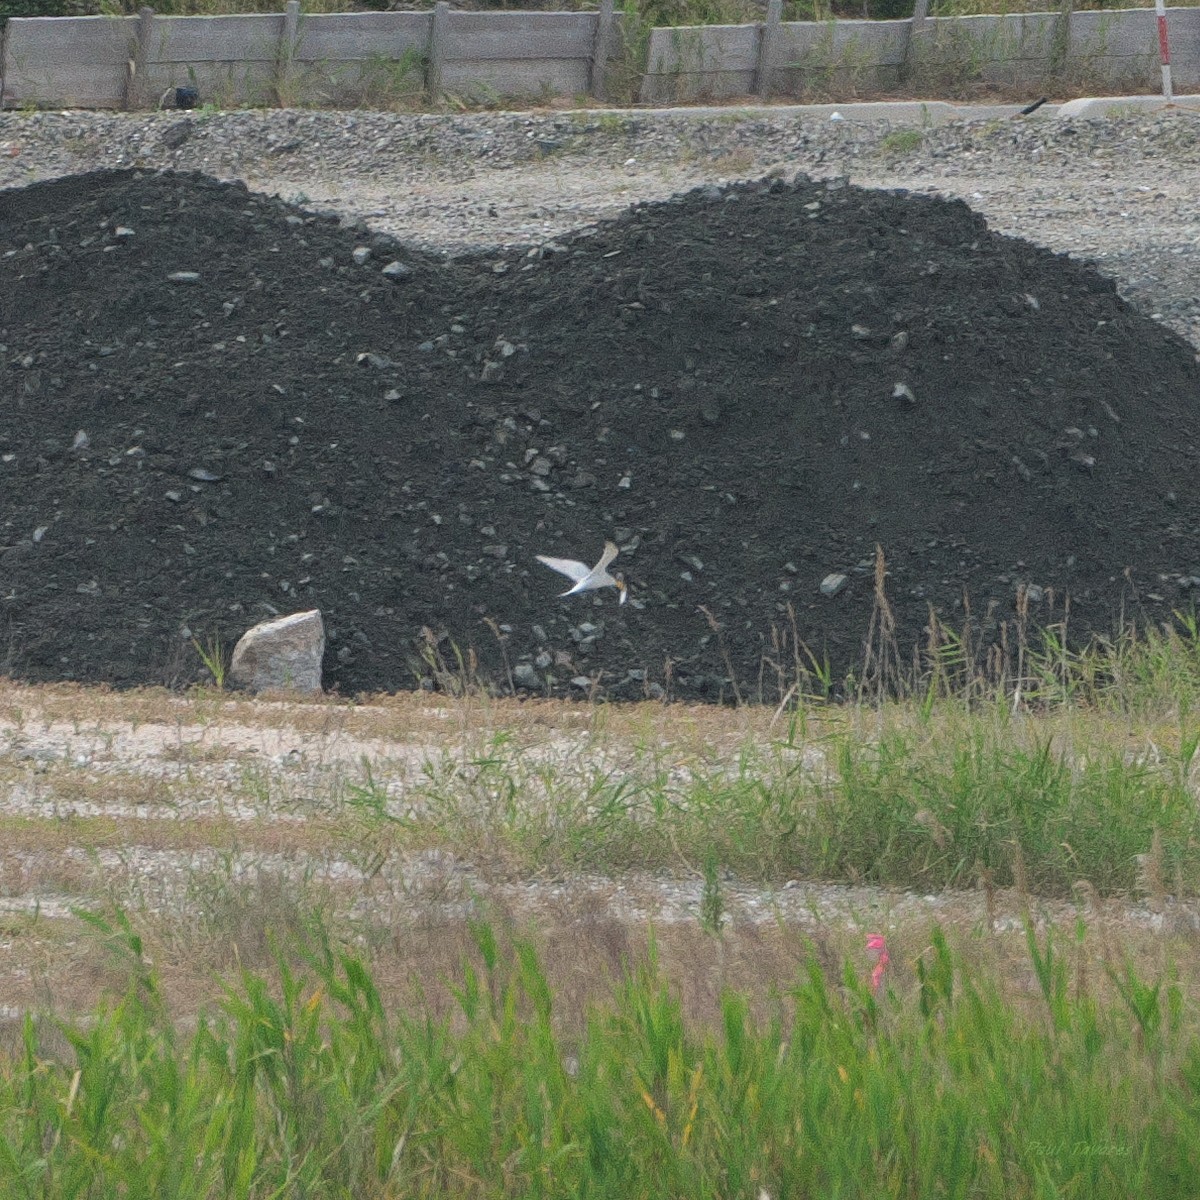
(748, 389)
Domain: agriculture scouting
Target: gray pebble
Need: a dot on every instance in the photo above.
(525, 676)
(177, 133)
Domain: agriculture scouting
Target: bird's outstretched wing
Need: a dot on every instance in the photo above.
(610, 552)
(566, 566)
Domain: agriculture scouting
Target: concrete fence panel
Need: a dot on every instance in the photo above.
(840, 57)
(68, 62)
(355, 58)
(700, 62)
(1185, 47)
(518, 53)
(231, 63)
(1008, 50)
(1125, 50)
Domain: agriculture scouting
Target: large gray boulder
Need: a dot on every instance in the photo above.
(284, 654)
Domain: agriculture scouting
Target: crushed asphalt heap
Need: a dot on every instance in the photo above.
(215, 407)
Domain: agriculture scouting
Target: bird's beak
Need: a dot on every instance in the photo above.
(624, 593)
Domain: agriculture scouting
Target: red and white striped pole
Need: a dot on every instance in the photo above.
(1164, 50)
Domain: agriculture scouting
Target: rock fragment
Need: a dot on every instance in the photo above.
(281, 655)
(524, 675)
(177, 133)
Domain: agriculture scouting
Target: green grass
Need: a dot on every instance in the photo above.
(302, 1084)
(357, 1056)
(1082, 766)
(902, 141)
(213, 655)
(927, 803)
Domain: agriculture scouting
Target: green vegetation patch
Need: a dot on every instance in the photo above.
(303, 1084)
(934, 803)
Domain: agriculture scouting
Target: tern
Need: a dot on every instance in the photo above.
(588, 578)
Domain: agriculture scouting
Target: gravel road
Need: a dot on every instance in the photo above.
(1120, 191)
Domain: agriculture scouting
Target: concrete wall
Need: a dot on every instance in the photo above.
(289, 58)
(371, 58)
(1119, 49)
(1114, 51)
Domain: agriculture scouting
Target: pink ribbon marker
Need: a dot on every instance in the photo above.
(876, 941)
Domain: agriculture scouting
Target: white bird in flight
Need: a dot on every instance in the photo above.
(588, 578)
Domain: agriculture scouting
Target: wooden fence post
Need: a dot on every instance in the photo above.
(135, 66)
(437, 45)
(285, 63)
(768, 48)
(604, 25)
(920, 13)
